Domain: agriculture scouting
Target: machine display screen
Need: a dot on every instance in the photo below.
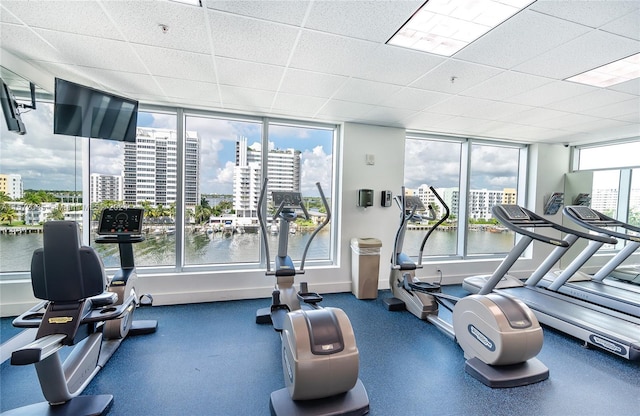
(514, 212)
(291, 199)
(584, 213)
(119, 221)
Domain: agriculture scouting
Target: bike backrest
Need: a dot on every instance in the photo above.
(64, 270)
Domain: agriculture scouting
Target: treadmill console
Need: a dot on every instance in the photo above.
(584, 213)
(121, 221)
(291, 199)
(514, 212)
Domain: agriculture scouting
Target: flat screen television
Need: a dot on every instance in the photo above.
(10, 110)
(86, 112)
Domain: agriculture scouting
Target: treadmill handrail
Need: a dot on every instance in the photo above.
(603, 219)
(520, 226)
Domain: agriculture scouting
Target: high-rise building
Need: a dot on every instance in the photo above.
(284, 175)
(151, 167)
(11, 185)
(105, 187)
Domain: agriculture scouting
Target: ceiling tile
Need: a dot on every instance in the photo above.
(283, 11)
(590, 51)
(344, 110)
(626, 25)
(139, 22)
(394, 65)
(361, 91)
(590, 101)
(307, 106)
(173, 63)
(250, 39)
(93, 52)
(237, 97)
(505, 85)
(454, 76)
(370, 20)
(247, 74)
(391, 115)
(594, 13)
(415, 99)
(189, 90)
(551, 92)
(311, 83)
(330, 54)
(64, 16)
(510, 44)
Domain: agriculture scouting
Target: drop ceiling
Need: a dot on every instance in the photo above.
(328, 61)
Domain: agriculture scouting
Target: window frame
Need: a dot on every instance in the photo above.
(462, 219)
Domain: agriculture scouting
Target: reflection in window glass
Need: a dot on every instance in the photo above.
(299, 157)
(493, 180)
(433, 163)
(220, 220)
(634, 198)
(604, 192)
(142, 174)
(40, 180)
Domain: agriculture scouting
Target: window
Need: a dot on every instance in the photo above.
(634, 199)
(143, 174)
(299, 157)
(431, 162)
(493, 179)
(40, 180)
(222, 184)
(493, 173)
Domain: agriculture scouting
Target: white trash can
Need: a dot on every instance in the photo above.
(365, 267)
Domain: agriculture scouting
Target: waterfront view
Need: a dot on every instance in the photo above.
(203, 248)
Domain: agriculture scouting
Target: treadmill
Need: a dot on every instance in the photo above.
(607, 329)
(600, 223)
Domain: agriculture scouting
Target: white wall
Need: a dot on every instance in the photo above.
(547, 166)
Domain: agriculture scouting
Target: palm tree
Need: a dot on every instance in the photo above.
(7, 214)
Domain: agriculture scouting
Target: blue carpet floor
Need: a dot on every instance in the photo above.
(213, 359)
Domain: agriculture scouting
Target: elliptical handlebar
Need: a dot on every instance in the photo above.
(434, 226)
(263, 226)
(404, 218)
(321, 226)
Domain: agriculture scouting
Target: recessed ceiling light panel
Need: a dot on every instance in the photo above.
(614, 73)
(444, 27)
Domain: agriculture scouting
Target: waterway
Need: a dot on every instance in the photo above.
(201, 248)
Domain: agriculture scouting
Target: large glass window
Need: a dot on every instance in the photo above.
(634, 199)
(40, 180)
(220, 218)
(298, 158)
(471, 177)
(142, 174)
(431, 162)
(604, 193)
(493, 180)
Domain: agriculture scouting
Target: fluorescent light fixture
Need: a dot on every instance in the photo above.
(614, 73)
(197, 3)
(444, 27)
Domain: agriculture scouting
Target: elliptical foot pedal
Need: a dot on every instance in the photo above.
(143, 327)
(355, 402)
(505, 376)
(277, 317)
(263, 316)
(80, 405)
(394, 304)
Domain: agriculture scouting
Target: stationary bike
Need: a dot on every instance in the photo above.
(320, 358)
(500, 336)
(82, 309)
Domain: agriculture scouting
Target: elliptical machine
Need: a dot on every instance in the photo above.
(500, 336)
(320, 359)
(81, 308)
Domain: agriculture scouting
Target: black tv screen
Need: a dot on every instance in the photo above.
(86, 112)
(10, 110)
